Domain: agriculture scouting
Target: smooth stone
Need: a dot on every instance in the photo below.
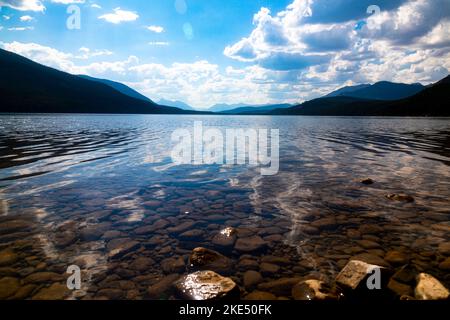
(260, 296)
(43, 277)
(8, 287)
(153, 204)
(429, 288)
(400, 289)
(355, 273)
(247, 264)
(280, 287)
(65, 239)
(445, 265)
(8, 257)
(226, 238)
(192, 235)
(325, 223)
(173, 265)
(444, 248)
(24, 292)
(162, 289)
(400, 197)
(406, 274)
(55, 292)
(366, 229)
(110, 293)
(282, 261)
(142, 264)
(160, 224)
(109, 235)
(14, 226)
(182, 227)
(253, 244)
(310, 230)
(396, 258)
(252, 279)
(93, 233)
(206, 285)
(367, 244)
(312, 290)
(268, 269)
(206, 259)
(120, 247)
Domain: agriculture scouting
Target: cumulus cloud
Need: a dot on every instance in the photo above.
(316, 42)
(23, 5)
(26, 18)
(119, 16)
(156, 29)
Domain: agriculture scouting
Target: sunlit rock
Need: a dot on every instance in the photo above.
(205, 259)
(429, 288)
(206, 285)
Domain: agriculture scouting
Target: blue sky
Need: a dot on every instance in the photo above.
(254, 51)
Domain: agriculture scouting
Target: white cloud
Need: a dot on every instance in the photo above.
(159, 43)
(20, 28)
(96, 6)
(6, 17)
(26, 18)
(68, 1)
(119, 16)
(23, 5)
(156, 29)
(86, 53)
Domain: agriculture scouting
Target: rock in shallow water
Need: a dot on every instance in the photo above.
(260, 296)
(7, 257)
(429, 288)
(355, 274)
(251, 279)
(253, 244)
(55, 292)
(280, 287)
(312, 290)
(226, 238)
(120, 247)
(400, 197)
(8, 287)
(206, 285)
(163, 288)
(205, 259)
(173, 265)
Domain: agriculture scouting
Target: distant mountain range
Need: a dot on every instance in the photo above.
(176, 104)
(383, 90)
(431, 101)
(29, 87)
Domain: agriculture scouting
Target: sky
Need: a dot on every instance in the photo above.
(205, 52)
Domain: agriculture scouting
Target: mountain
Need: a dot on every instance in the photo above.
(383, 90)
(257, 109)
(176, 104)
(226, 107)
(346, 91)
(433, 101)
(119, 87)
(29, 87)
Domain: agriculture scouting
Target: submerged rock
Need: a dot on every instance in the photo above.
(429, 288)
(400, 289)
(251, 279)
(56, 291)
(163, 288)
(396, 258)
(280, 287)
(312, 290)
(205, 259)
(8, 257)
(120, 247)
(206, 285)
(226, 238)
(400, 197)
(325, 223)
(8, 287)
(173, 265)
(253, 244)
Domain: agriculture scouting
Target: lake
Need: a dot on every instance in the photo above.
(101, 192)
